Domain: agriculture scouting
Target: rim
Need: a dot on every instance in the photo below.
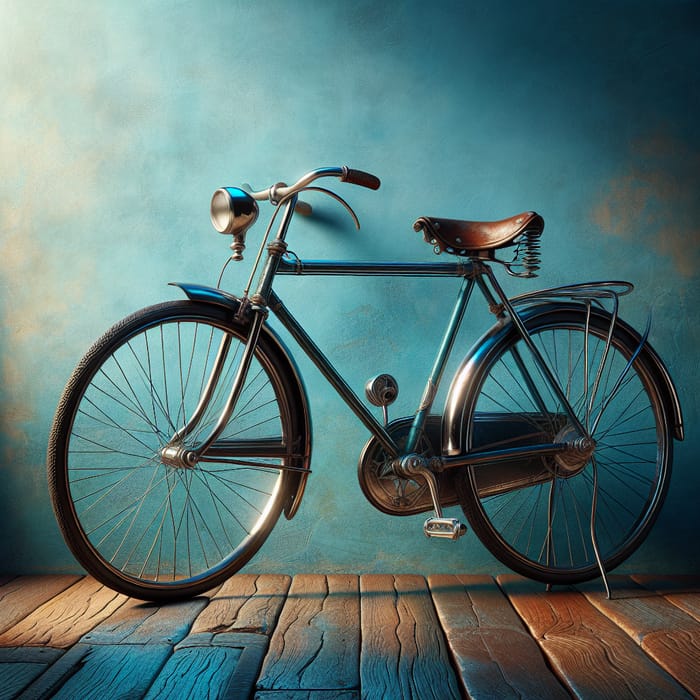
(547, 526)
(159, 525)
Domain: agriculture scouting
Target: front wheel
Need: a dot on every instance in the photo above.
(537, 516)
(136, 522)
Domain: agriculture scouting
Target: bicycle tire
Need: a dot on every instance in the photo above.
(158, 532)
(540, 524)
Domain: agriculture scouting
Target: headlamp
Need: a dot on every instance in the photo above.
(233, 210)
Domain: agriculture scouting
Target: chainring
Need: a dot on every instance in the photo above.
(392, 494)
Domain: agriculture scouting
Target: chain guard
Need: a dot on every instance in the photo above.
(396, 495)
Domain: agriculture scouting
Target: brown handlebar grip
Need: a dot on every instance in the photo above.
(360, 177)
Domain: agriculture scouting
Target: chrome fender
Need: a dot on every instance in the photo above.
(294, 481)
(460, 394)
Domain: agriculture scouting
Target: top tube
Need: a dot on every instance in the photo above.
(291, 265)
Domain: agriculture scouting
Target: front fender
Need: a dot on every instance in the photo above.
(460, 392)
(209, 295)
(295, 481)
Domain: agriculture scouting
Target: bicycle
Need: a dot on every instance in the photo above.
(184, 432)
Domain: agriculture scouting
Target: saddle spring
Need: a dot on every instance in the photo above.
(527, 258)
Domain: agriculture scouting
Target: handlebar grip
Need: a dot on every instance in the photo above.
(360, 177)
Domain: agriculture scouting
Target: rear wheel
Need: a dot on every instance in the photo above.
(535, 516)
(134, 521)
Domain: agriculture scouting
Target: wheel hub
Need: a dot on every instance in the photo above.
(178, 457)
(577, 453)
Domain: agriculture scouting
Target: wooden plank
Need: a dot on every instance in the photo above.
(668, 634)
(315, 645)
(494, 654)
(245, 603)
(136, 639)
(101, 672)
(64, 619)
(308, 695)
(206, 665)
(591, 655)
(24, 594)
(403, 651)
(682, 591)
(137, 622)
(19, 667)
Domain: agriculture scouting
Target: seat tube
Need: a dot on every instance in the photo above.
(436, 373)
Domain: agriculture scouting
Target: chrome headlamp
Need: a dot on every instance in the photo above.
(233, 211)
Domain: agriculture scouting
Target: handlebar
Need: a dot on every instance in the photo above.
(281, 191)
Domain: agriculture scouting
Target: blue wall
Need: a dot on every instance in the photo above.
(119, 119)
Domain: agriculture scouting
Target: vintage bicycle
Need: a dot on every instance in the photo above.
(184, 432)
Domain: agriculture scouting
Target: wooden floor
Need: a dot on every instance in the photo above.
(344, 636)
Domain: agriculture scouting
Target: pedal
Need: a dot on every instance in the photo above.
(444, 528)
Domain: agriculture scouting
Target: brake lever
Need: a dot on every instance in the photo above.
(337, 198)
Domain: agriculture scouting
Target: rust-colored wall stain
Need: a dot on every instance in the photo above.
(655, 202)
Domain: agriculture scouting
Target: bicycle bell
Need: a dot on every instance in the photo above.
(233, 211)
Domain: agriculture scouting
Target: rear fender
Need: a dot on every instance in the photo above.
(460, 393)
(294, 482)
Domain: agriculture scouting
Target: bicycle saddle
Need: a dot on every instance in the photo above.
(467, 237)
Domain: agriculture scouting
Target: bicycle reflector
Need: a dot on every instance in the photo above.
(233, 210)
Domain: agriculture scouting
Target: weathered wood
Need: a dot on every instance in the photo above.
(64, 619)
(315, 645)
(308, 695)
(120, 647)
(19, 667)
(668, 634)
(403, 651)
(591, 655)
(137, 622)
(682, 591)
(495, 656)
(206, 665)
(245, 603)
(101, 672)
(24, 594)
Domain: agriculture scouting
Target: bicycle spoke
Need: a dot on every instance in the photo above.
(543, 529)
(154, 521)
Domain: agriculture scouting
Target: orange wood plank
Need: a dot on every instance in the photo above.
(591, 654)
(63, 620)
(682, 591)
(245, 603)
(668, 634)
(24, 594)
(495, 656)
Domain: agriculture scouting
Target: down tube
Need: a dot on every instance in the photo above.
(314, 353)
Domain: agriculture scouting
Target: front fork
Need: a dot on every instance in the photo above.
(175, 453)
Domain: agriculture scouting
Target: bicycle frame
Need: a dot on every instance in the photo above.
(522, 444)
(265, 299)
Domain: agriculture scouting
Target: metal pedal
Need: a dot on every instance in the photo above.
(444, 528)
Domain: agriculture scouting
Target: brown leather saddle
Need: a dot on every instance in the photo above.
(473, 238)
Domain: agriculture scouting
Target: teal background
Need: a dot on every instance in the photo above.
(118, 120)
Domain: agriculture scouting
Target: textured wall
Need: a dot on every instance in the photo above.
(119, 120)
